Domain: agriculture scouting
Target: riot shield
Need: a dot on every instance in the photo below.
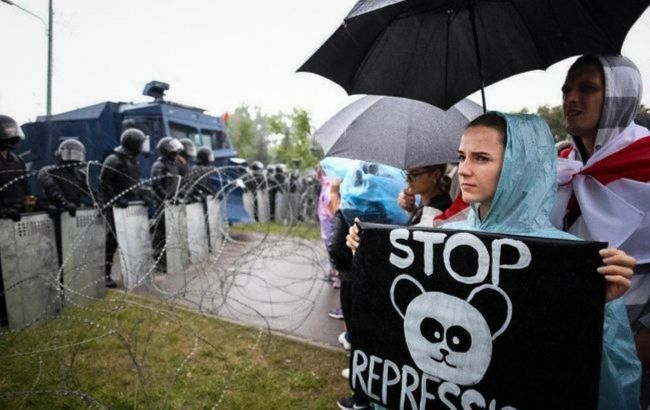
(177, 252)
(281, 206)
(215, 222)
(83, 245)
(263, 206)
(197, 233)
(134, 240)
(29, 269)
(294, 207)
(248, 198)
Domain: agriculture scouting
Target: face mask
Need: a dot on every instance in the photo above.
(9, 143)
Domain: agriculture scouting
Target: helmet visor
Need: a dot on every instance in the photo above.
(68, 154)
(12, 132)
(146, 144)
(175, 146)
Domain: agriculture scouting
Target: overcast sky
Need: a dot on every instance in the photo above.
(215, 54)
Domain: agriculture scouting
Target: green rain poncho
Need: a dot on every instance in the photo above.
(521, 206)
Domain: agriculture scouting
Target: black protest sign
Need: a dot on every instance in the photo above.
(451, 319)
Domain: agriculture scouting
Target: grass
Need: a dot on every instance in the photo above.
(299, 229)
(126, 352)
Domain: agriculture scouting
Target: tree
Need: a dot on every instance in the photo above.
(554, 117)
(643, 117)
(242, 131)
(296, 143)
(248, 134)
(252, 135)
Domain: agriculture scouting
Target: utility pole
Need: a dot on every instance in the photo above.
(48, 32)
(48, 105)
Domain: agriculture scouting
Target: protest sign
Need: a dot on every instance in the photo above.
(452, 319)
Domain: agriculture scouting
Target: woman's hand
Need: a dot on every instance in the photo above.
(406, 200)
(618, 271)
(353, 239)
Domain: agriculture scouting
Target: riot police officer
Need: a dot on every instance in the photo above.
(13, 185)
(14, 188)
(273, 189)
(120, 175)
(64, 184)
(253, 181)
(199, 175)
(165, 181)
(166, 170)
(187, 156)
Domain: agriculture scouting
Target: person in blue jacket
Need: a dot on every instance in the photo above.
(507, 173)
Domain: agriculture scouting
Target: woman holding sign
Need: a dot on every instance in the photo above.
(507, 174)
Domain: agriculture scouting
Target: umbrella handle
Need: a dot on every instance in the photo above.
(472, 18)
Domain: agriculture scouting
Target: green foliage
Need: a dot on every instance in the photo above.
(297, 230)
(250, 135)
(554, 117)
(296, 143)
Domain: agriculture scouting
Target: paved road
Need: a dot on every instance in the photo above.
(270, 282)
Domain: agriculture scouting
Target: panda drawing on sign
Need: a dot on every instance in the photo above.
(448, 337)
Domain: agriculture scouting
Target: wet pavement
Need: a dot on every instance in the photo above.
(272, 282)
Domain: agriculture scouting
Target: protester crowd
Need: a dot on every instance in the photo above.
(513, 179)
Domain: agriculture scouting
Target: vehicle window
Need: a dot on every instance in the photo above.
(150, 126)
(214, 139)
(182, 131)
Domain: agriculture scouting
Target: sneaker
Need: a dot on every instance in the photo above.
(346, 373)
(110, 283)
(349, 403)
(344, 340)
(336, 313)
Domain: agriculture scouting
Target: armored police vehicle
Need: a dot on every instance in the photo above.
(99, 127)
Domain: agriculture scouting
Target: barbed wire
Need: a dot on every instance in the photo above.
(238, 280)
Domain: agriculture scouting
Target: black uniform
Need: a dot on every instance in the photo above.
(13, 188)
(165, 174)
(199, 178)
(64, 185)
(121, 171)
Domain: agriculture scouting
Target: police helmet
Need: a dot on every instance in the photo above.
(134, 141)
(204, 156)
(169, 147)
(189, 149)
(71, 150)
(10, 132)
(257, 166)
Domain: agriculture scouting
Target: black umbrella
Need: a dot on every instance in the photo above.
(439, 51)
